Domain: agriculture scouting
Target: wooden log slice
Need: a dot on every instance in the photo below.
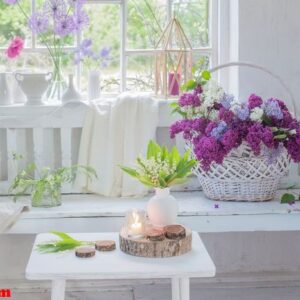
(155, 234)
(85, 252)
(175, 232)
(105, 245)
(147, 248)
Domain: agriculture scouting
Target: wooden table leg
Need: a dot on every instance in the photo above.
(58, 289)
(175, 289)
(184, 284)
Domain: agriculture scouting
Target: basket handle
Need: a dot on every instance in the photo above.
(261, 68)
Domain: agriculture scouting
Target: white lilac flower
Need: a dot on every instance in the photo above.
(256, 114)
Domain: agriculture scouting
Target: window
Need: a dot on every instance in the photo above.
(131, 29)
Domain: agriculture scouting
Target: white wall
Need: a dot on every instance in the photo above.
(269, 35)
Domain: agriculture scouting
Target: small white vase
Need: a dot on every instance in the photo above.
(71, 93)
(94, 89)
(5, 98)
(162, 208)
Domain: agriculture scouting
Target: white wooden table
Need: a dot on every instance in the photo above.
(60, 267)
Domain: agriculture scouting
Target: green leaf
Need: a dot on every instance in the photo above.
(206, 75)
(280, 137)
(287, 198)
(189, 85)
(130, 171)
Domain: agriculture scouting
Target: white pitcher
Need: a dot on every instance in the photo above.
(5, 98)
(34, 86)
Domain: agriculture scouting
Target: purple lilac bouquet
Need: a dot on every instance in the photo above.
(215, 123)
(53, 23)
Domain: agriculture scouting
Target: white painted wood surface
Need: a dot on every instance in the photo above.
(60, 267)
(9, 214)
(84, 213)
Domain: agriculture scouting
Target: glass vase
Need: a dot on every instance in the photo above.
(58, 84)
(50, 198)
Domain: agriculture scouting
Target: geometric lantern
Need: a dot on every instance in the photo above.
(173, 60)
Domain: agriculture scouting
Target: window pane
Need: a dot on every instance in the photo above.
(140, 73)
(104, 31)
(194, 18)
(146, 21)
(14, 23)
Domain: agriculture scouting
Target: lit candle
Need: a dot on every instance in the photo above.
(135, 223)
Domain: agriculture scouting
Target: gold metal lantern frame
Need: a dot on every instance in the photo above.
(173, 60)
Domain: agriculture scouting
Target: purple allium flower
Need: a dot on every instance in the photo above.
(38, 23)
(188, 99)
(218, 131)
(243, 113)
(64, 26)
(55, 8)
(105, 51)
(80, 19)
(11, 2)
(254, 101)
(272, 109)
(226, 100)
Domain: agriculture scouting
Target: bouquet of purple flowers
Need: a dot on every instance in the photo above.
(215, 123)
(53, 23)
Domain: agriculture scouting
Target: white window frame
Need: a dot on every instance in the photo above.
(211, 50)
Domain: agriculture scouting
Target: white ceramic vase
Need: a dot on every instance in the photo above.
(162, 208)
(5, 98)
(94, 89)
(34, 86)
(71, 93)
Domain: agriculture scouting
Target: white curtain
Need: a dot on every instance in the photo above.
(115, 132)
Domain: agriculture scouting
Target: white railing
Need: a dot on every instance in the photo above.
(48, 136)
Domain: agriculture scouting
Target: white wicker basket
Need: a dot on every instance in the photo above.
(243, 176)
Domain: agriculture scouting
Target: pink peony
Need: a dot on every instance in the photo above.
(15, 48)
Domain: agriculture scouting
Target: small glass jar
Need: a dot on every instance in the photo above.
(135, 221)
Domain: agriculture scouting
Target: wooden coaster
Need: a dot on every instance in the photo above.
(105, 245)
(155, 234)
(85, 252)
(175, 232)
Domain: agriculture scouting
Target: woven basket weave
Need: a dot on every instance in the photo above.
(243, 176)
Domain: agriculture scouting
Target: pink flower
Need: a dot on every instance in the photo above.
(15, 48)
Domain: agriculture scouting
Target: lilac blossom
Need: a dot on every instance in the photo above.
(254, 101)
(189, 99)
(218, 131)
(213, 139)
(272, 109)
(38, 23)
(242, 113)
(226, 100)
